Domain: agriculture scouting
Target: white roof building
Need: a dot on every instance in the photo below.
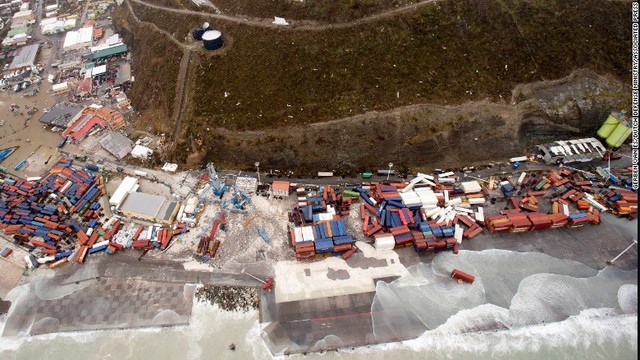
(78, 39)
(70, 23)
(128, 184)
(169, 167)
(23, 14)
(99, 70)
(52, 27)
(141, 152)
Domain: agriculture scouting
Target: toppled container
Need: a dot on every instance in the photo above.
(462, 276)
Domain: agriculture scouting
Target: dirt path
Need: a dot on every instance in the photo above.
(262, 23)
(183, 78)
(156, 28)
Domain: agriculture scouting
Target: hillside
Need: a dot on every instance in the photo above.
(447, 53)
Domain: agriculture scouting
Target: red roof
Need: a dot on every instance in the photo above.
(80, 129)
(280, 187)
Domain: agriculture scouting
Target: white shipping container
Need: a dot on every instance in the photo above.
(519, 159)
(426, 176)
(98, 244)
(459, 208)
(521, 178)
(446, 175)
(297, 233)
(325, 173)
(458, 233)
(140, 173)
(66, 186)
(431, 213)
(46, 259)
(476, 201)
(307, 233)
(181, 211)
(384, 243)
(480, 214)
(446, 197)
(28, 261)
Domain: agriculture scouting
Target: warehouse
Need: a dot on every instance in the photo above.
(128, 184)
(26, 57)
(108, 52)
(149, 207)
(280, 188)
(117, 144)
(60, 114)
(78, 39)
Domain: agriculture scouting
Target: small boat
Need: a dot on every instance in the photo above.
(263, 234)
(20, 165)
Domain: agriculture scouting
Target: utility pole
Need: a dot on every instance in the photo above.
(258, 171)
(610, 262)
(389, 173)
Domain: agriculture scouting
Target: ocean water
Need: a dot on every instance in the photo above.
(545, 308)
(590, 335)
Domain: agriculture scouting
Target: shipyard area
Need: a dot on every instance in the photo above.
(100, 229)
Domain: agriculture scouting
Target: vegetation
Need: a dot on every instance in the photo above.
(156, 71)
(254, 98)
(331, 11)
(447, 53)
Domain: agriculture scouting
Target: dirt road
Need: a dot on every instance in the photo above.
(261, 23)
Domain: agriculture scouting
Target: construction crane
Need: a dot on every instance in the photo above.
(267, 283)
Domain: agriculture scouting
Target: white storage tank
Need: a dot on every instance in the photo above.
(212, 39)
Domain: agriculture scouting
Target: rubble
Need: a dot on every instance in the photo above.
(229, 298)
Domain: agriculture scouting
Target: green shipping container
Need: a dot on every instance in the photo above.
(367, 175)
(608, 126)
(619, 135)
(349, 193)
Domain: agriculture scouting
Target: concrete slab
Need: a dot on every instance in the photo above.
(304, 281)
(106, 303)
(10, 275)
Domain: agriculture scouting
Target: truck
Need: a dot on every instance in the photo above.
(63, 142)
(385, 172)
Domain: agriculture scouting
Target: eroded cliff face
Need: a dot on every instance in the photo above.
(427, 136)
(421, 135)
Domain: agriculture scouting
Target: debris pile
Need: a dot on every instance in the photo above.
(57, 218)
(230, 298)
(431, 213)
(318, 229)
(562, 188)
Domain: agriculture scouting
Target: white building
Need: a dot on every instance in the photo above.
(141, 152)
(128, 184)
(78, 39)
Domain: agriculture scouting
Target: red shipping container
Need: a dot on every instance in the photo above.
(139, 244)
(462, 276)
(42, 244)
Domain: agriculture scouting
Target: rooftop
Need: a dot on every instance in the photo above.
(26, 57)
(110, 51)
(128, 184)
(117, 144)
(149, 205)
(60, 114)
(280, 187)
